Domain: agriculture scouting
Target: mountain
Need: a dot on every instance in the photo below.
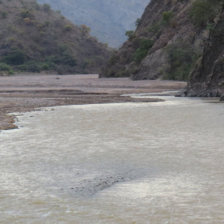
(108, 19)
(168, 40)
(33, 38)
(207, 79)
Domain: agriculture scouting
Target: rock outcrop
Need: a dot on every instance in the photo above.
(207, 79)
(167, 24)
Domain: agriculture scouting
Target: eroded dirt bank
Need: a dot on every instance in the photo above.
(21, 93)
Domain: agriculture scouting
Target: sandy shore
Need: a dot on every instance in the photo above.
(21, 93)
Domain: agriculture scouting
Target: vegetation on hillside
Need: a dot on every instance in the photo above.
(143, 47)
(203, 12)
(34, 38)
(174, 31)
(182, 58)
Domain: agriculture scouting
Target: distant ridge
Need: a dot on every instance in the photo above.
(108, 19)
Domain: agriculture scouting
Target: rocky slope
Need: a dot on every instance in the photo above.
(207, 79)
(35, 38)
(166, 43)
(108, 19)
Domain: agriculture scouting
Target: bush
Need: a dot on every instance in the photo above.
(155, 28)
(14, 57)
(27, 21)
(3, 15)
(113, 59)
(30, 66)
(26, 13)
(68, 28)
(46, 7)
(4, 68)
(35, 66)
(137, 22)
(122, 73)
(85, 30)
(64, 59)
(130, 34)
(204, 11)
(167, 16)
(182, 58)
(46, 66)
(167, 19)
(142, 50)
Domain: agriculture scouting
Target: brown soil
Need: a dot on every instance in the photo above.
(22, 93)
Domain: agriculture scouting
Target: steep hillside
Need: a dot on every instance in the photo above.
(208, 77)
(108, 19)
(167, 42)
(35, 38)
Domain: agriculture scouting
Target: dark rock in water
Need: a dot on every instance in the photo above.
(181, 93)
(91, 187)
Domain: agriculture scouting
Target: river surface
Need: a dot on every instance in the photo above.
(130, 163)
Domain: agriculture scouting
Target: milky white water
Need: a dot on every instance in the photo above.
(143, 163)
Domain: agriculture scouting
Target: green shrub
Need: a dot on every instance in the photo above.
(122, 73)
(14, 57)
(113, 59)
(182, 58)
(68, 28)
(210, 26)
(155, 28)
(137, 22)
(142, 50)
(85, 30)
(204, 11)
(26, 13)
(46, 7)
(30, 66)
(167, 17)
(64, 59)
(4, 68)
(3, 15)
(63, 62)
(27, 21)
(35, 66)
(130, 34)
(46, 66)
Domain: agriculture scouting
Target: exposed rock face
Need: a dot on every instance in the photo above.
(165, 22)
(207, 79)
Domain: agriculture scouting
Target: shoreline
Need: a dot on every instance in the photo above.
(27, 93)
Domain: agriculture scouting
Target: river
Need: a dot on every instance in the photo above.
(130, 163)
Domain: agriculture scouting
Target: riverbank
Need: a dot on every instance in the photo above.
(22, 93)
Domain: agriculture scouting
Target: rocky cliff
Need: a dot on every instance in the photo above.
(34, 38)
(108, 19)
(166, 43)
(207, 79)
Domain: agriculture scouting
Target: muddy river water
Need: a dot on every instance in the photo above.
(130, 163)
